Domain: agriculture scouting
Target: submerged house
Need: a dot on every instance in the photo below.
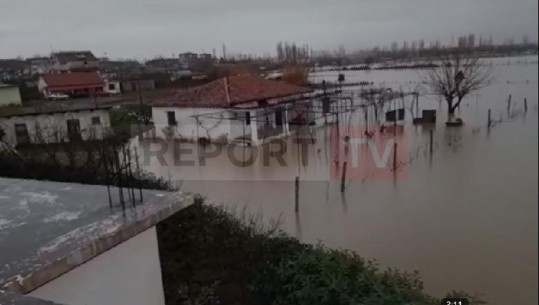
(246, 108)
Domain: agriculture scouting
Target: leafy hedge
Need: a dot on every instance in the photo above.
(212, 256)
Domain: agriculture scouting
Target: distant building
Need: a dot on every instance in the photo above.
(73, 61)
(63, 243)
(134, 85)
(72, 84)
(53, 124)
(188, 59)
(38, 65)
(205, 57)
(119, 67)
(163, 65)
(239, 107)
(13, 69)
(145, 81)
(9, 95)
(112, 85)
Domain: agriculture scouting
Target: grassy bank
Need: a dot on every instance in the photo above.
(210, 256)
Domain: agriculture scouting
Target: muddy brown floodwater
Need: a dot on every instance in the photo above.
(465, 217)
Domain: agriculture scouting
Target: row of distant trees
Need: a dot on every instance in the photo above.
(291, 52)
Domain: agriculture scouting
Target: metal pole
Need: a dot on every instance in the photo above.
(489, 119)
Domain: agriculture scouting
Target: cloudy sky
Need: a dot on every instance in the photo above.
(145, 28)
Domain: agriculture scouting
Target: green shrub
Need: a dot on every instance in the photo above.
(211, 255)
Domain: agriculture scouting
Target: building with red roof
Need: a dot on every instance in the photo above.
(236, 107)
(72, 84)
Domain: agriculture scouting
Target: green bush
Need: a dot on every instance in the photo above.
(210, 255)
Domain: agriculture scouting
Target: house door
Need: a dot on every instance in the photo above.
(21, 134)
(73, 130)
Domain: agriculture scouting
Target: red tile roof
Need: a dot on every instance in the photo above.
(230, 91)
(73, 80)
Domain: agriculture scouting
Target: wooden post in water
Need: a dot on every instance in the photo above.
(489, 119)
(343, 177)
(417, 105)
(509, 105)
(525, 105)
(431, 136)
(297, 195)
(395, 156)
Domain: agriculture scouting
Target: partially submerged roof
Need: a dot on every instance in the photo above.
(231, 91)
(49, 108)
(73, 80)
(49, 228)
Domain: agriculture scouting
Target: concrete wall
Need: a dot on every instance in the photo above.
(128, 274)
(54, 126)
(10, 95)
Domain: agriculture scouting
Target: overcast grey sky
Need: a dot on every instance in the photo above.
(143, 28)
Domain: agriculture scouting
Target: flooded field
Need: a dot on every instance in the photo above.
(465, 216)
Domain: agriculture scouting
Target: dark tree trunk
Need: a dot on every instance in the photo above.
(455, 106)
(450, 107)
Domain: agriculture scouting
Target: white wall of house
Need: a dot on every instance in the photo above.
(186, 124)
(77, 64)
(51, 128)
(10, 95)
(128, 274)
(232, 126)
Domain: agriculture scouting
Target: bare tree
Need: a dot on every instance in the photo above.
(456, 76)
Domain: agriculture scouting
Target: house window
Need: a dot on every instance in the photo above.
(21, 134)
(96, 120)
(171, 118)
(73, 130)
(112, 87)
(247, 118)
(278, 117)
